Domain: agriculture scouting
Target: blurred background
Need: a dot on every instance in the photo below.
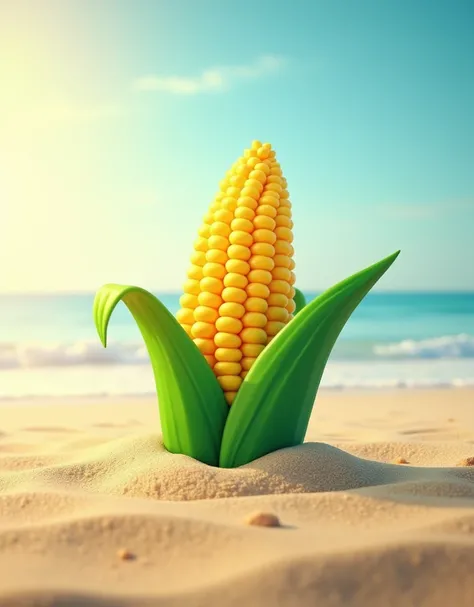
(119, 119)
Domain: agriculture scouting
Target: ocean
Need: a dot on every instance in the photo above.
(49, 347)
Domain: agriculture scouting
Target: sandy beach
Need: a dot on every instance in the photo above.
(376, 508)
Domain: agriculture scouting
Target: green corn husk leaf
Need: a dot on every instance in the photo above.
(192, 407)
(300, 301)
(273, 405)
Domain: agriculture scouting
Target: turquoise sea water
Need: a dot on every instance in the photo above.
(48, 345)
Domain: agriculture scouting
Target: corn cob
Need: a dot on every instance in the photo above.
(239, 292)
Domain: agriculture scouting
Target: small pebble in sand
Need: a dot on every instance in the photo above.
(469, 461)
(401, 460)
(263, 519)
(125, 555)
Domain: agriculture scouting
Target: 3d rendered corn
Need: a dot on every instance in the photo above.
(238, 369)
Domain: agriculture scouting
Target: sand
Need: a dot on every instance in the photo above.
(93, 510)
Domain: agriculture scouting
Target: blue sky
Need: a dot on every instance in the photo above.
(118, 120)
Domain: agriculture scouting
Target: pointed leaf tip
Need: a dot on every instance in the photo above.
(105, 302)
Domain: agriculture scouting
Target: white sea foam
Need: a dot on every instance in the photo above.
(80, 353)
(448, 346)
(30, 355)
(123, 368)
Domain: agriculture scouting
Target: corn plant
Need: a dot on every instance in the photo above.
(238, 369)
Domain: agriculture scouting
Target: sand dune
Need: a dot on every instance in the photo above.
(93, 510)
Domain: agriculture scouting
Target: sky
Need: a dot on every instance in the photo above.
(119, 119)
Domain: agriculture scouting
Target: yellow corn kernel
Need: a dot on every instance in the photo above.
(251, 192)
(282, 247)
(227, 368)
(240, 224)
(263, 277)
(239, 293)
(210, 300)
(252, 335)
(224, 216)
(198, 258)
(215, 270)
(270, 199)
(185, 316)
(188, 301)
(227, 340)
(281, 274)
(276, 313)
(205, 330)
(237, 266)
(255, 319)
(240, 252)
(264, 222)
(260, 262)
(218, 242)
(200, 244)
(283, 233)
(216, 256)
(228, 324)
(267, 210)
(233, 309)
(230, 355)
(205, 314)
(246, 213)
(279, 286)
(239, 237)
(252, 350)
(256, 304)
(219, 228)
(282, 261)
(261, 166)
(233, 279)
(264, 249)
(229, 382)
(211, 285)
(233, 294)
(192, 287)
(247, 202)
(277, 299)
(233, 191)
(283, 221)
(195, 272)
(229, 203)
(257, 289)
(264, 235)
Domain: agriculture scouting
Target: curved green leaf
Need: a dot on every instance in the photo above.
(192, 407)
(300, 301)
(273, 405)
